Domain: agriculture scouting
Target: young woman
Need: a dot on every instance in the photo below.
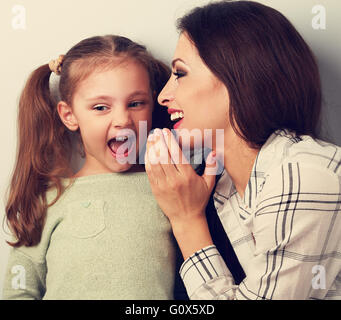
(241, 67)
(86, 235)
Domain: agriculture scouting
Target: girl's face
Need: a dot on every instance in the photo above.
(195, 92)
(107, 108)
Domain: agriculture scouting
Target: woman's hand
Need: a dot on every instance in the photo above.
(180, 192)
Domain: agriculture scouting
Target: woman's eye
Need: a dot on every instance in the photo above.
(100, 108)
(179, 74)
(136, 104)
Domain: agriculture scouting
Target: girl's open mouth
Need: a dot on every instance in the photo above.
(121, 146)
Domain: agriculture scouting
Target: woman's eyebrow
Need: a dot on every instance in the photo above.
(175, 60)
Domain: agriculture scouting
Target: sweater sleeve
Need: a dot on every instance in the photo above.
(26, 267)
(24, 278)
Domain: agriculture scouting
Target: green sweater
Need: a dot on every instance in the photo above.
(105, 238)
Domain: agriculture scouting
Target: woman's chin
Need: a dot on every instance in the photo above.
(187, 139)
(191, 145)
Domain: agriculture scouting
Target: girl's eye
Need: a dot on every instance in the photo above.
(100, 108)
(136, 104)
(179, 74)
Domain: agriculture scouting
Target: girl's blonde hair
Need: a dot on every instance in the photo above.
(44, 143)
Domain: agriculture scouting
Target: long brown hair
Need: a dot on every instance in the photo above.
(44, 143)
(268, 69)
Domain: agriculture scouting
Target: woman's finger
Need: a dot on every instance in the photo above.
(153, 166)
(166, 160)
(179, 159)
(148, 166)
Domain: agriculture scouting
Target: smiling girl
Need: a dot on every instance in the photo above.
(86, 235)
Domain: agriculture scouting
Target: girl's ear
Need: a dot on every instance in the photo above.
(67, 116)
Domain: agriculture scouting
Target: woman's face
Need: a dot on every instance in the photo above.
(195, 93)
(107, 108)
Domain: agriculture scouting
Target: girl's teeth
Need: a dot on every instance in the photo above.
(121, 138)
(177, 115)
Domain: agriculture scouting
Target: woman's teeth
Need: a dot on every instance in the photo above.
(176, 115)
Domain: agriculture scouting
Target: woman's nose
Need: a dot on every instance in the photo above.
(166, 95)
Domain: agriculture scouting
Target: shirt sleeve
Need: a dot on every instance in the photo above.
(24, 278)
(295, 228)
(206, 276)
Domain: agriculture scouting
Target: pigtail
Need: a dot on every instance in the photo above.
(43, 143)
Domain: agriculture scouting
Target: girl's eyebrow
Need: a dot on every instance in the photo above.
(109, 98)
(102, 97)
(138, 93)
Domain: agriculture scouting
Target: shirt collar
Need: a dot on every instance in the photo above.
(270, 154)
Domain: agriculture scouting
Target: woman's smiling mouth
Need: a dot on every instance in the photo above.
(176, 115)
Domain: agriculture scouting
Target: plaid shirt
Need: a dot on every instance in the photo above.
(285, 231)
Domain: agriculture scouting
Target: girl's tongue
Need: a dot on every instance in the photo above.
(120, 147)
(115, 147)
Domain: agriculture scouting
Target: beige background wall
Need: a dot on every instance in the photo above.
(51, 27)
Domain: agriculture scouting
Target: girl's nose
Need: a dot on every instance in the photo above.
(121, 118)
